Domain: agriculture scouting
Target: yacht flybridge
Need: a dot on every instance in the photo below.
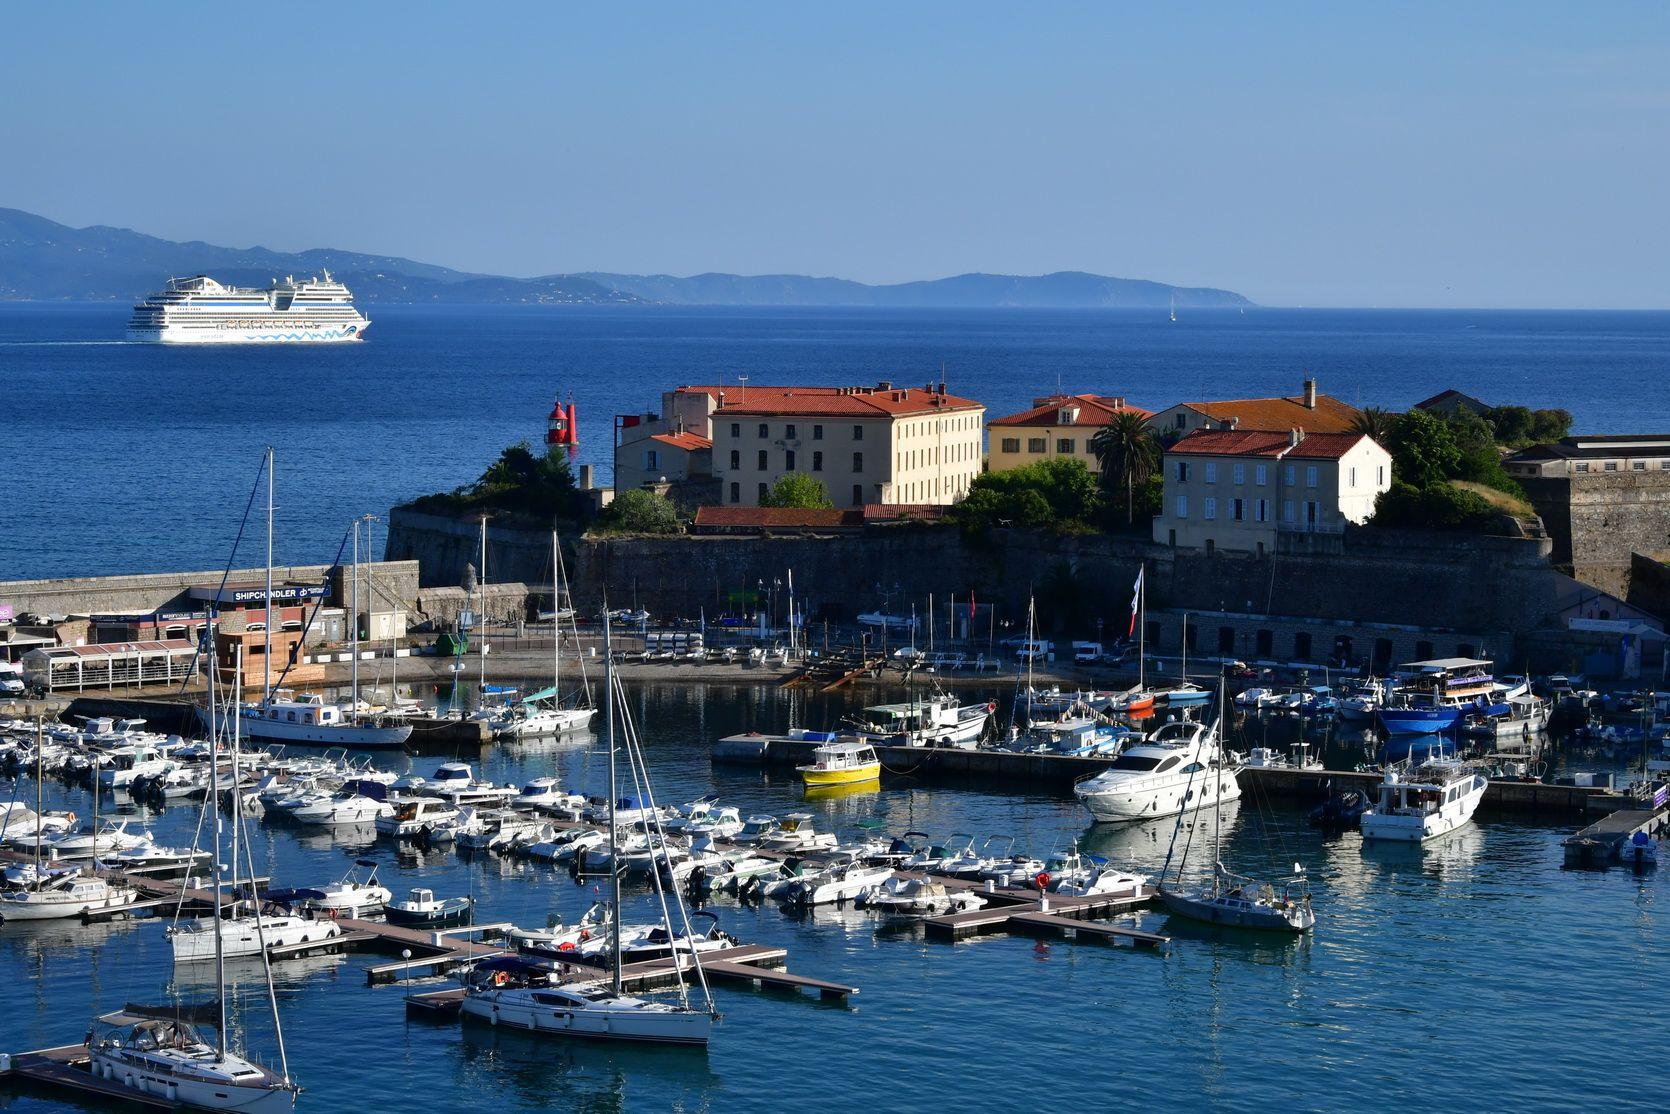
(1179, 768)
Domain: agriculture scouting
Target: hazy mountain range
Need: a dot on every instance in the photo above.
(42, 260)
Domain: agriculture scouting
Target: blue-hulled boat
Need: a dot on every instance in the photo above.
(1431, 696)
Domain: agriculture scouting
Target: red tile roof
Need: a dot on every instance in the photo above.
(857, 402)
(1253, 442)
(777, 517)
(689, 442)
(1094, 410)
(1282, 414)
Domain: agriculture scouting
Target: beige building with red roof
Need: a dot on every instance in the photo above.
(1306, 410)
(1242, 489)
(1055, 426)
(880, 444)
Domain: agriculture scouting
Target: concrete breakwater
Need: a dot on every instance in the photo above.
(1059, 772)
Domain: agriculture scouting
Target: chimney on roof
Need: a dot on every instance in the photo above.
(1294, 436)
(1234, 423)
(1310, 394)
(885, 385)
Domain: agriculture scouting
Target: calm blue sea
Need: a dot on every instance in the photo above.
(118, 457)
(1474, 973)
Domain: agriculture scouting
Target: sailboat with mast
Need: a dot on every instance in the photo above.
(543, 714)
(1225, 898)
(524, 993)
(158, 1051)
(306, 719)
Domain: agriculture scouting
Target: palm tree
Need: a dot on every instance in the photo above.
(1375, 423)
(1128, 452)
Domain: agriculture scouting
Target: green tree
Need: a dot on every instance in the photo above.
(640, 511)
(1511, 425)
(1438, 506)
(1059, 494)
(1128, 453)
(1375, 423)
(797, 489)
(1549, 425)
(1423, 449)
(520, 482)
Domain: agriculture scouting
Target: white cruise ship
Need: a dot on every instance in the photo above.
(199, 310)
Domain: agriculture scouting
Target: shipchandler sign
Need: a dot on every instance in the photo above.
(291, 592)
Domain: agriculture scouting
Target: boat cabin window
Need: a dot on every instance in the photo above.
(1140, 762)
(1168, 764)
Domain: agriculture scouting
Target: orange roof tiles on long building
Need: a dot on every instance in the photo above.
(858, 402)
(1093, 410)
(1330, 415)
(1256, 442)
(690, 442)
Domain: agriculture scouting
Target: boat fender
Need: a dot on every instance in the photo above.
(585, 934)
(568, 945)
(331, 913)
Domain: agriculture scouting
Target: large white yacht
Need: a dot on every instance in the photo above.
(199, 310)
(1169, 772)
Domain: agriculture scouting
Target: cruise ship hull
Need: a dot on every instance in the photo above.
(278, 332)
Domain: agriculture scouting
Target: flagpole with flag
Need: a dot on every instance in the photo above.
(1139, 625)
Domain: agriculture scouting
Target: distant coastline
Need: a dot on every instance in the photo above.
(44, 261)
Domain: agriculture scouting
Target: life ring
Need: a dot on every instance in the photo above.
(501, 978)
(566, 946)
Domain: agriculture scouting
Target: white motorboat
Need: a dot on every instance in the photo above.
(108, 839)
(494, 829)
(348, 805)
(941, 720)
(356, 894)
(164, 1057)
(563, 846)
(153, 858)
(418, 817)
(754, 829)
(1415, 804)
(528, 722)
(455, 783)
(546, 795)
(795, 835)
(1103, 879)
(1181, 767)
(920, 897)
(842, 880)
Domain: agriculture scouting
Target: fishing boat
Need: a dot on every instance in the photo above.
(940, 720)
(1431, 696)
(1418, 803)
(515, 992)
(422, 909)
(846, 762)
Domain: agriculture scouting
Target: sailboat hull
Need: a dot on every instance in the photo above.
(1237, 914)
(518, 1009)
(353, 736)
(143, 1075)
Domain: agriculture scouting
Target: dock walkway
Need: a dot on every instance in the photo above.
(1604, 841)
(66, 1069)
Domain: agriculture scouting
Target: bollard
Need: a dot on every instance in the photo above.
(1044, 903)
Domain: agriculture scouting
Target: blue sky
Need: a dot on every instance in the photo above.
(1304, 154)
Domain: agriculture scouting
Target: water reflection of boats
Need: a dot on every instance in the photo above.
(858, 791)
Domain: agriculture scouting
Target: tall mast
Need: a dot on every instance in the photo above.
(1142, 624)
(1216, 767)
(40, 792)
(556, 629)
(1185, 675)
(481, 616)
(614, 861)
(354, 618)
(220, 927)
(267, 657)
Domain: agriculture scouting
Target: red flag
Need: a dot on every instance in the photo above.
(1136, 601)
(971, 607)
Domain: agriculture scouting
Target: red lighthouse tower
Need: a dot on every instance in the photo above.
(562, 429)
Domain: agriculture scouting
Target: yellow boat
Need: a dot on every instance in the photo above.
(843, 763)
